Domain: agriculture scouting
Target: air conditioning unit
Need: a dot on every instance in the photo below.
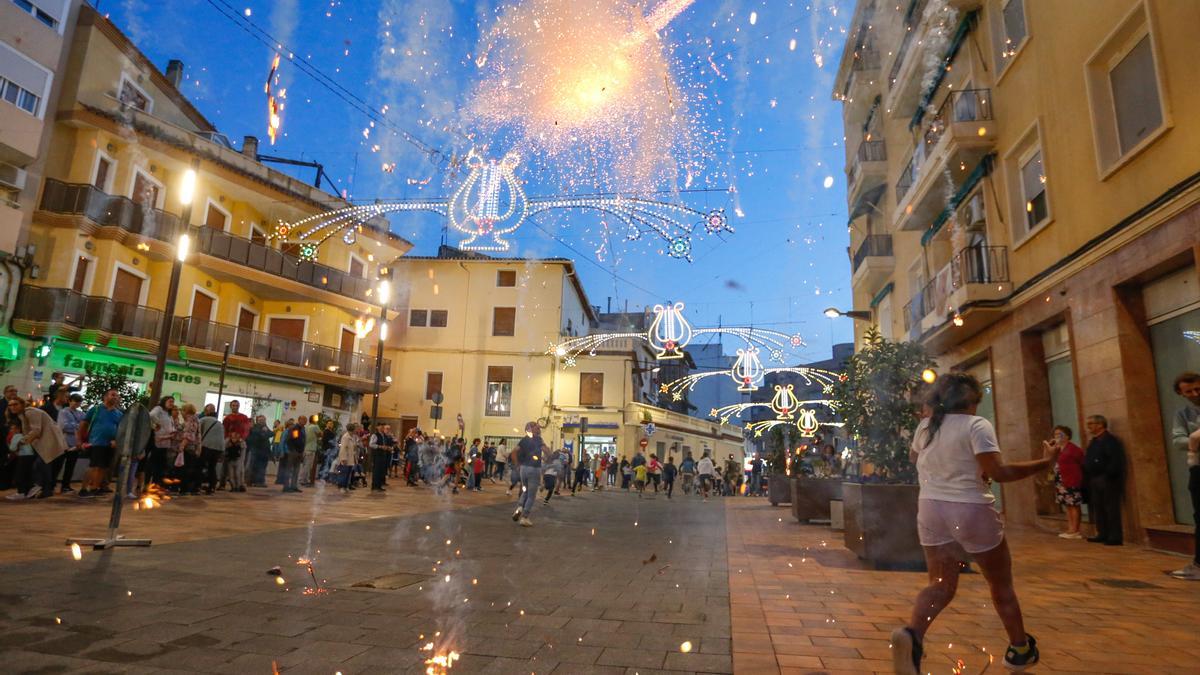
(973, 215)
(12, 177)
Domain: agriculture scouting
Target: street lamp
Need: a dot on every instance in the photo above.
(382, 293)
(187, 192)
(834, 312)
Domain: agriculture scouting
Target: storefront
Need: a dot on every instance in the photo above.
(198, 384)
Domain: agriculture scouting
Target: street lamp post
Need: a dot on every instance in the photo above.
(186, 193)
(382, 293)
(834, 312)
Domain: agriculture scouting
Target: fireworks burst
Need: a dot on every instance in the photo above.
(586, 84)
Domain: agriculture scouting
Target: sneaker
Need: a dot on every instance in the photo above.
(906, 652)
(33, 492)
(1070, 535)
(1189, 573)
(525, 522)
(132, 496)
(1017, 662)
(516, 515)
(16, 497)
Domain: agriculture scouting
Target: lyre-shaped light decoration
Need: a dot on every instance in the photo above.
(785, 402)
(748, 370)
(808, 424)
(670, 332)
(489, 203)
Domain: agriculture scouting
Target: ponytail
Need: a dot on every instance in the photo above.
(954, 393)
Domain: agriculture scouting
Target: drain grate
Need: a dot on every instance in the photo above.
(1132, 584)
(391, 582)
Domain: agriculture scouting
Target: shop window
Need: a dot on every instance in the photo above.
(1173, 314)
(591, 389)
(499, 391)
(504, 321)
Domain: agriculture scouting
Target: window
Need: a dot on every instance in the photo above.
(418, 317)
(1125, 92)
(38, 13)
(1008, 32)
(104, 173)
(20, 97)
(134, 96)
(433, 385)
(499, 391)
(591, 389)
(1135, 95)
(437, 318)
(257, 235)
(82, 266)
(1033, 190)
(146, 190)
(506, 278)
(216, 217)
(358, 268)
(504, 321)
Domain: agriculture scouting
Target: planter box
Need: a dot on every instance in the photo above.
(779, 489)
(881, 525)
(811, 497)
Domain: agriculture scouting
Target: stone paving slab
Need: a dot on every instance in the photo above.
(601, 584)
(801, 603)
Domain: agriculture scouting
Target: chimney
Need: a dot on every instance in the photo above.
(250, 147)
(175, 72)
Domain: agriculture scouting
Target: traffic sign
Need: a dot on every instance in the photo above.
(643, 443)
(437, 398)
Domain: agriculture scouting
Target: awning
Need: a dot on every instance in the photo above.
(867, 201)
(960, 36)
(883, 293)
(981, 170)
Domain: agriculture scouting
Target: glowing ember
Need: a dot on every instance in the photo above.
(154, 498)
(76, 552)
(439, 664)
(685, 647)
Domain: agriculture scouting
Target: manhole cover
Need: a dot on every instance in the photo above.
(391, 582)
(1125, 583)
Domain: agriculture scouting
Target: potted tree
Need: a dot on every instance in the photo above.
(814, 487)
(876, 399)
(779, 490)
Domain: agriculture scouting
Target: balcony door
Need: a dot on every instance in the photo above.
(126, 296)
(244, 340)
(145, 190)
(287, 340)
(200, 328)
(346, 352)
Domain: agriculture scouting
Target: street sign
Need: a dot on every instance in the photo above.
(435, 413)
(643, 443)
(437, 398)
(649, 429)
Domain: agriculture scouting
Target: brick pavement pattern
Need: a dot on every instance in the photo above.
(604, 583)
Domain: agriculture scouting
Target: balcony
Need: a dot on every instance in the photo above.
(47, 312)
(60, 312)
(951, 142)
(972, 286)
(868, 169)
(198, 335)
(904, 82)
(873, 262)
(130, 220)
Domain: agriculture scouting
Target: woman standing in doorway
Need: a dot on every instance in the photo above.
(1068, 480)
(954, 450)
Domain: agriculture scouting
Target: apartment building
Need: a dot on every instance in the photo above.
(478, 332)
(1023, 197)
(33, 40)
(105, 229)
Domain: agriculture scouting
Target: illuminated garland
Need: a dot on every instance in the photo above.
(1192, 334)
(491, 203)
(825, 378)
(802, 414)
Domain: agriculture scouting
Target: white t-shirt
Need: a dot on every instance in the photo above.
(705, 467)
(946, 466)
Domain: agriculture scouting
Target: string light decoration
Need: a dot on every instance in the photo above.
(785, 402)
(490, 202)
(670, 333)
(803, 415)
(811, 376)
(747, 370)
(1192, 335)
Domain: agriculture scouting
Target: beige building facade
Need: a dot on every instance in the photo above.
(1023, 194)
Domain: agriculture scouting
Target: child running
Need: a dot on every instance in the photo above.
(954, 449)
(639, 479)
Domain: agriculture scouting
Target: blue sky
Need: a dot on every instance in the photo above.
(765, 103)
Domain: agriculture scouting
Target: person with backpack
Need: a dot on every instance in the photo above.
(688, 469)
(668, 475)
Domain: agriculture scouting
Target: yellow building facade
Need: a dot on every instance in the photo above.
(1022, 184)
(480, 331)
(106, 229)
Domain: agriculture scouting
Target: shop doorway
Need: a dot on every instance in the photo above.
(594, 445)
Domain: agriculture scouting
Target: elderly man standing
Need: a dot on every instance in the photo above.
(1104, 472)
(46, 438)
(312, 451)
(1185, 437)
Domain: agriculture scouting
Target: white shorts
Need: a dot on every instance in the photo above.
(976, 527)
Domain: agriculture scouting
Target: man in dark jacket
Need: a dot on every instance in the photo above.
(1104, 473)
(258, 443)
(294, 441)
